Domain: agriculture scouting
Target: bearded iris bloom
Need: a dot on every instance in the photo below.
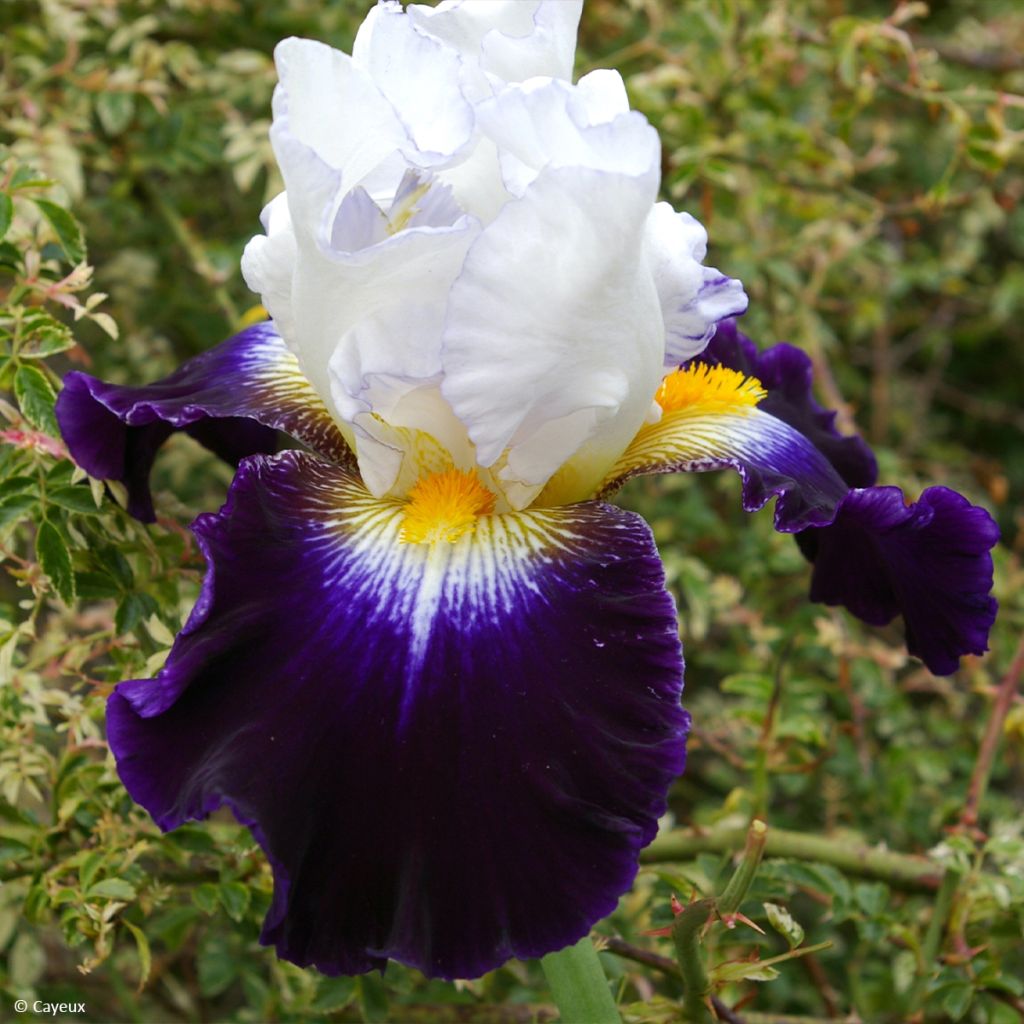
(431, 667)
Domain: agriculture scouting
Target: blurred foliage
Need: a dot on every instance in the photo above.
(861, 172)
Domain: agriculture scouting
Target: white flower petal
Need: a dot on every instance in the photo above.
(604, 93)
(375, 314)
(553, 314)
(330, 106)
(546, 123)
(693, 297)
(510, 39)
(269, 262)
(419, 76)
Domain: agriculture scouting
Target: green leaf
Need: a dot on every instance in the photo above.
(172, 928)
(112, 889)
(43, 336)
(17, 507)
(145, 954)
(217, 966)
(744, 970)
(236, 898)
(90, 866)
(578, 984)
(65, 227)
(74, 499)
(957, 998)
(6, 213)
(204, 896)
(55, 560)
(333, 994)
(134, 609)
(748, 684)
(19, 485)
(35, 398)
(117, 565)
(28, 177)
(115, 111)
(782, 921)
(27, 962)
(373, 1000)
(95, 586)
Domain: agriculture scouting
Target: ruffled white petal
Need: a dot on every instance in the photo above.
(512, 40)
(468, 261)
(419, 77)
(693, 297)
(554, 333)
(268, 263)
(328, 105)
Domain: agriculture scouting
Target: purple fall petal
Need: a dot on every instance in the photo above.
(787, 375)
(929, 562)
(880, 557)
(452, 754)
(233, 399)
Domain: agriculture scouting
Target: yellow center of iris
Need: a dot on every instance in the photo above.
(403, 212)
(444, 506)
(708, 388)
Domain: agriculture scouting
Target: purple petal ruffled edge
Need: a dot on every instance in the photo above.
(233, 399)
(787, 374)
(392, 720)
(929, 561)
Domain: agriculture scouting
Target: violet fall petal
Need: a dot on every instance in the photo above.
(452, 753)
(929, 562)
(787, 375)
(233, 398)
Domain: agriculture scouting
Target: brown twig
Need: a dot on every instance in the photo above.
(724, 1013)
(990, 742)
(820, 981)
(639, 955)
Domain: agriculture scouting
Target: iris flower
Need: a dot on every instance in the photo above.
(435, 672)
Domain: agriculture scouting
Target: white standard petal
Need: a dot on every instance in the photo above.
(510, 39)
(694, 298)
(554, 336)
(328, 105)
(544, 123)
(419, 76)
(369, 320)
(269, 262)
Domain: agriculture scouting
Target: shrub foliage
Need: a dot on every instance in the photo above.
(862, 174)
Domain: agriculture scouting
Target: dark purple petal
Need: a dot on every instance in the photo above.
(233, 399)
(452, 753)
(787, 374)
(773, 460)
(929, 562)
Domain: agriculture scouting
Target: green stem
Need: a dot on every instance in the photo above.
(686, 931)
(689, 926)
(578, 985)
(899, 869)
(932, 943)
(1005, 697)
(940, 915)
(736, 891)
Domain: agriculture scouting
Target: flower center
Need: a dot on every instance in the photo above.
(444, 506)
(405, 209)
(710, 388)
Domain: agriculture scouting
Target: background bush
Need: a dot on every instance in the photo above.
(859, 167)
